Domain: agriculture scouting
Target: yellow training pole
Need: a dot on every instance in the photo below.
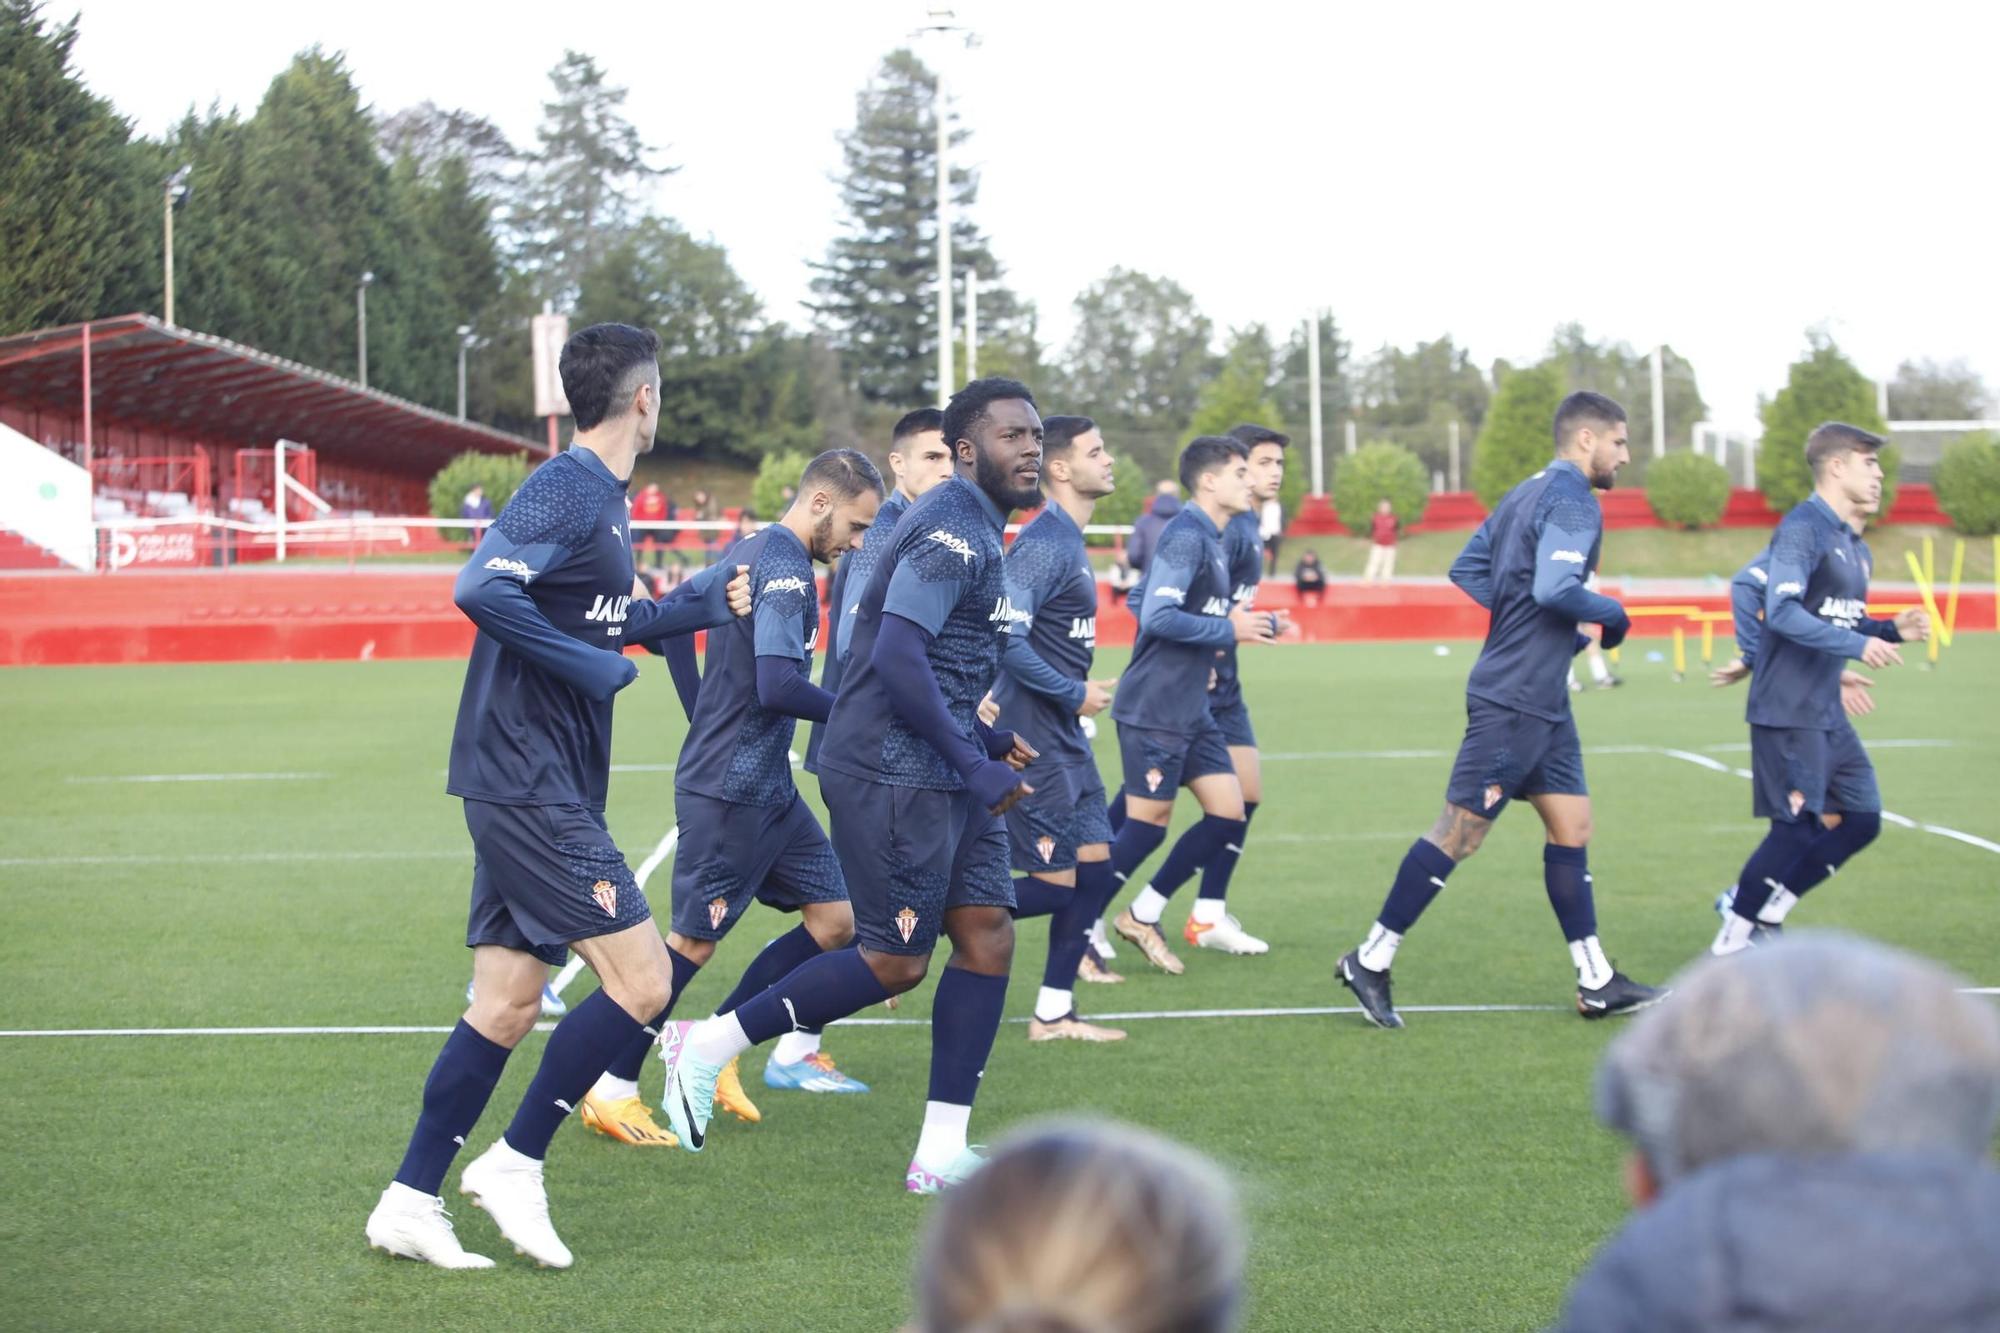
(1930, 602)
(1951, 599)
(1680, 652)
(1707, 642)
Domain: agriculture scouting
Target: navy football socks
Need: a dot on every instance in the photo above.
(1762, 874)
(1136, 841)
(1069, 930)
(583, 1046)
(1116, 813)
(460, 1082)
(633, 1058)
(833, 985)
(1038, 897)
(1195, 848)
(965, 1018)
(1566, 874)
(773, 963)
(1419, 879)
(1221, 864)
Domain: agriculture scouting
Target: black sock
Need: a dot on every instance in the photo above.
(773, 963)
(1566, 875)
(1195, 848)
(1221, 864)
(461, 1080)
(1419, 879)
(1116, 813)
(833, 985)
(1034, 896)
(632, 1059)
(1830, 851)
(1069, 930)
(965, 1018)
(1136, 841)
(1761, 876)
(583, 1046)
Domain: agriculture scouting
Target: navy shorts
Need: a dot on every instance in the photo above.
(1519, 753)
(729, 854)
(1064, 812)
(1829, 769)
(1159, 762)
(1233, 721)
(544, 876)
(910, 855)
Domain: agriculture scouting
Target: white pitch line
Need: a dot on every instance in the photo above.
(200, 777)
(230, 858)
(1133, 1016)
(1892, 744)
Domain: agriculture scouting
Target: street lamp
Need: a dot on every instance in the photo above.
(942, 21)
(464, 341)
(176, 195)
(361, 323)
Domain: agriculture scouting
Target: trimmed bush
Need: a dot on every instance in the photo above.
(1375, 472)
(774, 473)
(1968, 485)
(1821, 386)
(1687, 490)
(500, 474)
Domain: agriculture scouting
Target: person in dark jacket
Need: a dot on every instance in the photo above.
(1146, 530)
(1811, 1123)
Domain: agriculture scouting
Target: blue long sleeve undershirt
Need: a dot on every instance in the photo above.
(783, 688)
(1029, 667)
(900, 655)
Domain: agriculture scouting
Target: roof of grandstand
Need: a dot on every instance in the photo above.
(148, 373)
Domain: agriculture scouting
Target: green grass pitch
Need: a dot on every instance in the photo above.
(1446, 1177)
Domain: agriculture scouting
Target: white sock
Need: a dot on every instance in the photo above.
(1208, 911)
(795, 1046)
(1778, 907)
(1378, 951)
(1592, 971)
(1734, 936)
(717, 1041)
(1147, 907)
(944, 1132)
(614, 1089)
(1599, 672)
(1052, 1004)
(1098, 941)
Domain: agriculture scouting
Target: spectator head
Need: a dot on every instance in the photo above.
(1384, 507)
(476, 494)
(995, 437)
(1267, 458)
(837, 497)
(1848, 460)
(1311, 557)
(611, 372)
(1073, 454)
(918, 458)
(1166, 486)
(1216, 468)
(1590, 432)
(652, 488)
(1084, 1227)
(1821, 1044)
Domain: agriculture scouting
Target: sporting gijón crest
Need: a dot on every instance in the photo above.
(906, 923)
(606, 894)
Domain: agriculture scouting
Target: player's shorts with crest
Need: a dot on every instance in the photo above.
(910, 855)
(1829, 769)
(1157, 762)
(1517, 753)
(544, 876)
(730, 854)
(1065, 811)
(1233, 721)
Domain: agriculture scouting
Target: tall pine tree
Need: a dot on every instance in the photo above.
(876, 289)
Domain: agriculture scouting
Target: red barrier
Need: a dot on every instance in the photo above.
(337, 615)
(1451, 511)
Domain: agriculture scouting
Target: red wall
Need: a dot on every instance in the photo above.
(272, 615)
(1454, 510)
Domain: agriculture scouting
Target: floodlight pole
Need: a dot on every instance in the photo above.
(361, 325)
(174, 190)
(1312, 404)
(1659, 401)
(971, 325)
(942, 22)
(464, 341)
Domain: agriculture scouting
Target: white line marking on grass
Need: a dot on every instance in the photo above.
(200, 777)
(1873, 745)
(228, 858)
(642, 768)
(1137, 1015)
(1890, 816)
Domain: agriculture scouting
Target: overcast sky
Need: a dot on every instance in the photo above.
(1719, 177)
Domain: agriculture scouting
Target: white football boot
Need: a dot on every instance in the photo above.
(509, 1187)
(410, 1224)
